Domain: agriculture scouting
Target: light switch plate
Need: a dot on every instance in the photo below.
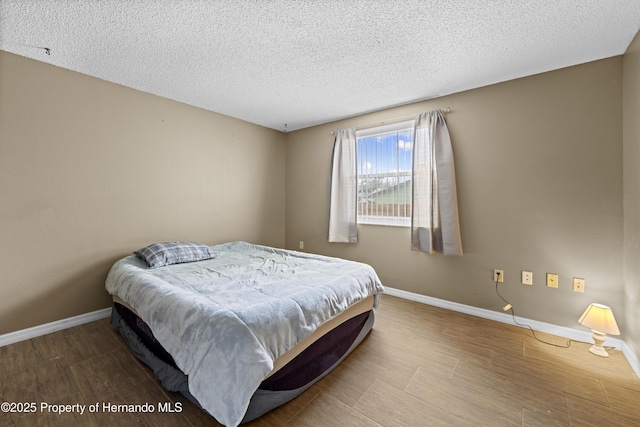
(552, 280)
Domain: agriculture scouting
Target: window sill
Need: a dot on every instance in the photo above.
(391, 222)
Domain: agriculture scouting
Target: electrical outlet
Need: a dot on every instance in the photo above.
(527, 278)
(301, 244)
(578, 284)
(498, 276)
(552, 280)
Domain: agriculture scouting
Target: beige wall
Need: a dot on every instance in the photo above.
(90, 171)
(83, 181)
(631, 138)
(539, 171)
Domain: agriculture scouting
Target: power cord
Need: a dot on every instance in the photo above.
(513, 315)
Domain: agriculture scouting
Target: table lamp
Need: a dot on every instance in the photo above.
(600, 319)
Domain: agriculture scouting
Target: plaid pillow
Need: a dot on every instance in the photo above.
(161, 254)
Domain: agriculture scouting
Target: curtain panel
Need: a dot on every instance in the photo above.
(343, 207)
(434, 210)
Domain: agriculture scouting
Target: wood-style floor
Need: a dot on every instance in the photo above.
(420, 366)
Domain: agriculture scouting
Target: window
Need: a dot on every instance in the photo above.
(372, 182)
(384, 174)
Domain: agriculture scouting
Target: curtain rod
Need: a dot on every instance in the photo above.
(391, 121)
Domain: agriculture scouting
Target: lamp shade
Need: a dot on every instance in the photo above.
(599, 317)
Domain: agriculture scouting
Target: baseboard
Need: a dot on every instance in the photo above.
(632, 358)
(56, 326)
(549, 328)
(562, 331)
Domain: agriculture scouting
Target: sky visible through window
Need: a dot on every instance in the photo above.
(385, 155)
(384, 173)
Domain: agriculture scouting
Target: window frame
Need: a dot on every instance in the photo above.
(384, 131)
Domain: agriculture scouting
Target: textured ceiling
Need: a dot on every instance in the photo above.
(308, 62)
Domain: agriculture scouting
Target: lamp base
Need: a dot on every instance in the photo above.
(599, 351)
(597, 348)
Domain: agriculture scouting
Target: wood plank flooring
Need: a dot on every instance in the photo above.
(420, 366)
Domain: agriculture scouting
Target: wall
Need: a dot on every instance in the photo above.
(539, 173)
(90, 171)
(631, 138)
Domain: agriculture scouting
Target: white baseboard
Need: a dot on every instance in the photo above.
(631, 357)
(549, 328)
(56, 326)
(562, 331)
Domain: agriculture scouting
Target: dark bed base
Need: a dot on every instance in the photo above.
(292, 379)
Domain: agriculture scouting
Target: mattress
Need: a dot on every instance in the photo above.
(236, 320)
(294, 373)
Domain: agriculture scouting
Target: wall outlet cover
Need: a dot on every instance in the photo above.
(578, 284)
(498, 276)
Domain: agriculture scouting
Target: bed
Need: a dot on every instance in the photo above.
(239, 328)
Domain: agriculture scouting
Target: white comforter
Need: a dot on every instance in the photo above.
(225, 320)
